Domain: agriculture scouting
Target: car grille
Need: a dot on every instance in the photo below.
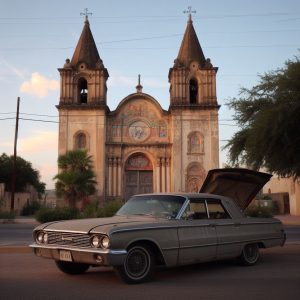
(69, 239)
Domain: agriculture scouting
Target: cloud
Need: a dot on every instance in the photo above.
(39, 142)
(39, 85)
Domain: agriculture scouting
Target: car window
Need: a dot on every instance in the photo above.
(196, 210)
(155, 205)
(216, 209)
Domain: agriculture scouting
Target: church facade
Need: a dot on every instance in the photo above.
(140, 147)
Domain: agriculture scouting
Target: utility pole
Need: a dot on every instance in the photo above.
(13, 180)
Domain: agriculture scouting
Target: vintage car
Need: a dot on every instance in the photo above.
(166, 229)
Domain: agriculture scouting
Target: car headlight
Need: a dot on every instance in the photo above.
(100, 241)
(105, 242)
(95, 241)
(45, 238)
(39, 237)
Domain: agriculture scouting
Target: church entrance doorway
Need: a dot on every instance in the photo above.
(138, 175)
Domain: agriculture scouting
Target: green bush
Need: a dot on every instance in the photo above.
(90, 210)
(259, 212)
(93, 210)
(109, 209)
(6, 215)
(31, 208)
(55, 214)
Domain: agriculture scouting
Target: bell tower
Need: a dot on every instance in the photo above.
(82, 105)
(192, 78)
(83, 79)
(194, 114)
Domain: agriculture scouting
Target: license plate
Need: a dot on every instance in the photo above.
(65, 255)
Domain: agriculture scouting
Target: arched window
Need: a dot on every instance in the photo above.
(80, 141)
(83, 91)
(195, 142)
(193, 91)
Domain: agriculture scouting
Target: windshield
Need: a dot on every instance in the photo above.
(153, 205)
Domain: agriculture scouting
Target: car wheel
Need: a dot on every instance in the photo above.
(250, 255)
(71, 268)
(138, 265)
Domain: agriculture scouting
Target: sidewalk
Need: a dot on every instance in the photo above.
(20, 220)
(288, 219)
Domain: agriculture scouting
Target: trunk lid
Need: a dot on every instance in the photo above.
(241, 185)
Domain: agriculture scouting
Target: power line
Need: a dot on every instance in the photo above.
(38, 120)
(83, 115)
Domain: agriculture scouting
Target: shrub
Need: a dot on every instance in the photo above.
(109, 209)
(55, 214)
(31, 208)
(7, 215)
(259, 212)
(90, 210)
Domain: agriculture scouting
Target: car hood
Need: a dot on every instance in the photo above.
(241, 185)
(103, 225)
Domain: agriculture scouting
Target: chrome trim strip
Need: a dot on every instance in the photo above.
(92, 250)
(183, 226)
(183, 207)
(143, 228)
(206, 207)
(261, 223)
(63, 231)
(219, 244)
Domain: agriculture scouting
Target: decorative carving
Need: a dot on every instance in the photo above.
(139, 131)
(138, 162)
(195, 177)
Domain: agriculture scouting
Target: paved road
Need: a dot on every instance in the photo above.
(276, 277)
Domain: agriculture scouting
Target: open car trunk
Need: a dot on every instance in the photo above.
(241, 185)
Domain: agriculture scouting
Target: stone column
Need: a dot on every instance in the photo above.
(158, 175)
(109, 176)
(163, 174)
(168, 179)
(115, 177)
(119, 177)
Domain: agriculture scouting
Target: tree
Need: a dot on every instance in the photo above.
(269, 118)
(26, 175)
(76, 178)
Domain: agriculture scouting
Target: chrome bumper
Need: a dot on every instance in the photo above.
(101, 257)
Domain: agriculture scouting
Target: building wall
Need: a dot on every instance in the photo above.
(186, 162)
(92, 123)
(279, 185)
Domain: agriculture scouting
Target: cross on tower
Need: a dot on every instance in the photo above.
(190, 12)
(86, 13)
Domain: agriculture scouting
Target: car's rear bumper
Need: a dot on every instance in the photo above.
(101, 257)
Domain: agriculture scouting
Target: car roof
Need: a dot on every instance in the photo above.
(181, 194)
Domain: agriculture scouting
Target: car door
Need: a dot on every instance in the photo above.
(227, 229)
(196, 234)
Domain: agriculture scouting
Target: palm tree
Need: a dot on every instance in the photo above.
(76, 178)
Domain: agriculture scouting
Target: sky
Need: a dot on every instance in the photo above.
(243, 38)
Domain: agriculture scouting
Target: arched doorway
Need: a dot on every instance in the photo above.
(138, 175)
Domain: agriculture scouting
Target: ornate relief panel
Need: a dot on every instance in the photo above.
(138, 162)
(195, 177)
(138, 121)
